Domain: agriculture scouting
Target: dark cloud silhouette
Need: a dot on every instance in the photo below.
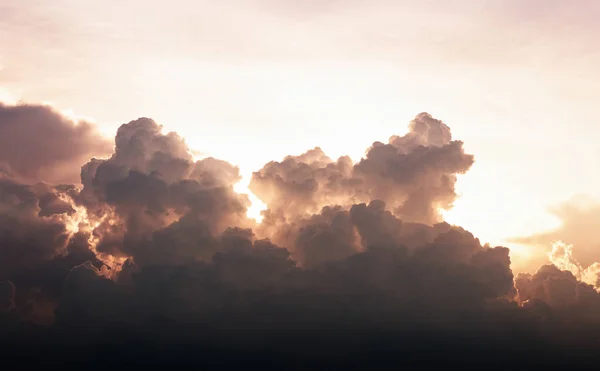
(7, 296)
(256, 283)
(153, 261)
(32, 227)
(37, 143)
(38, 246)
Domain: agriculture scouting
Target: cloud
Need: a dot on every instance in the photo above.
(32, 229)
(560, 291)
(37, 143)
(579, 218)
(7, 296)
(37, 246)
(155, 250)
(414, 175)
(163, 206)
(253, 279)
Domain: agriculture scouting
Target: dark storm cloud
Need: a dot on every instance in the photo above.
(37, 143)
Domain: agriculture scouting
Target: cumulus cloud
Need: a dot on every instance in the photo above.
(156, 247)
(37, 143)
(413, 174)
(173, 217)
(552, 292)
(163, 206)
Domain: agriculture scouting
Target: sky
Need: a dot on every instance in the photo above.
(255, 80)
(428, 170)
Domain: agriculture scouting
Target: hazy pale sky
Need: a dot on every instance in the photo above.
(250, 81)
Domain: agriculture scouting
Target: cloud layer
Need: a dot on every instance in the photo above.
(152, 241)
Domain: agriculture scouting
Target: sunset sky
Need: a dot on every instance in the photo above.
(249, 81)
(300, 184)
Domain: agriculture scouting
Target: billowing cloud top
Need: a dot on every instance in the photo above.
(414, 174)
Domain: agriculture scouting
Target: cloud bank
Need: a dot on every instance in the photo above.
(352, 263)
(37, 143)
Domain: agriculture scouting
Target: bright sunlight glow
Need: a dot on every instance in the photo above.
(256, 205)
